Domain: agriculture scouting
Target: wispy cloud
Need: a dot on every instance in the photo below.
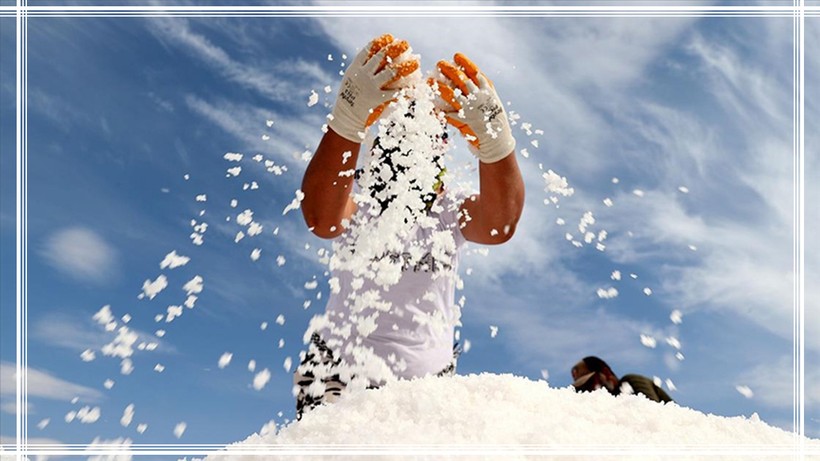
(81, 253)
(288, 137)
(44, 384)
(773, 385)
(276, 81)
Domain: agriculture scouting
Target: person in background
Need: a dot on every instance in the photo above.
(592, 373)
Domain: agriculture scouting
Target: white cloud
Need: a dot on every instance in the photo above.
(773, 383)
(80, 253)
(275, 81)
(43, 384)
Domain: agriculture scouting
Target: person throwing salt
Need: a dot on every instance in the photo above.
(396, 230)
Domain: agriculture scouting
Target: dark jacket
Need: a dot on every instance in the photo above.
(643, 385)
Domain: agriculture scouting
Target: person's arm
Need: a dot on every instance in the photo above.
(363, 94)
(327, 185)
(491, 216)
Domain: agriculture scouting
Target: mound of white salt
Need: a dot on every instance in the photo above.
(443, 417)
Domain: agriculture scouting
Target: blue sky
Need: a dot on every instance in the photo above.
(122, 109)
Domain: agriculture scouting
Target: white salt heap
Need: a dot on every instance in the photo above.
(484, 410)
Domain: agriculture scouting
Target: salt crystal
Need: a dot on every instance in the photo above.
(263, 326)
(172, 260)
(638, 192)
(684, 189)
(524, 153)
(615, 180)
(179, 429)
(608, 202)
(269, 123)
(280, 319)
(616, 275)
(201, 198)
(87, 355)
(287, 364)
(327, 89)
(608, 293)
(280, 260)
(674, 342)
(42, 424)
(261, 379)
(252, 365)
(493, 331)
(141, 428)
(648, 341)
(647, 291)
(160, 333)
(108, 384)
(255, 254)
(534, 143)
(676, 317)
(225, 360)
(313, 99)
(159, 368)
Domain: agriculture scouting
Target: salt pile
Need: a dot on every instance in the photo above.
(481, 412)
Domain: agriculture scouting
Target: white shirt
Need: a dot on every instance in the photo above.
(415, 335)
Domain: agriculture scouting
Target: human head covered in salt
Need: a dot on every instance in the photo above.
(407, 154)
(592, 373)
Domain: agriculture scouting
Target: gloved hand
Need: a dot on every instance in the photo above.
(369, 84)
(472, 105)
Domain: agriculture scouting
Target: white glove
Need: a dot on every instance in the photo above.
(364, 91)
(476, 110)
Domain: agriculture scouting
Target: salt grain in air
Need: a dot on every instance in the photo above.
(252, 365)
(179, 429)
(261, 379)
(313, 99)
(225, 360)
(493, 331)
(745, 391)
(648, 341)
(647, 291)
(676, 317)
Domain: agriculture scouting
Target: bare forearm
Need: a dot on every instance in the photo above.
(494, 213)
(327, 184)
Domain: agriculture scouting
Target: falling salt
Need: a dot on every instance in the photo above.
(615, 180)
(269, 123)
(172, 260)
(159, 368)
(312, 99)
(493, 331)
(693, 248)
(608, 202)
(280, 319)
(534, 143)
(647, 291)
(255, 254)
(225, 360)
(201, 198)
(684, 189)
(42, 424)
(152, 288)
(108, 384)
(252, 365)
(524, 153)
(280, 260)
(261, 379)
(638, 192)
(263, 326)
(745, 391)
(87, 355)
(287, 364)
(676, 317)
(673, 341)
(127, 415)
(179, 429)
(235, 171)
(616, 275)
(648, 341)
(295, 203)
(608, 293)
(141, 428)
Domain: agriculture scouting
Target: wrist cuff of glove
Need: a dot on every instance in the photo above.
(344, 125)
(496, 152)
